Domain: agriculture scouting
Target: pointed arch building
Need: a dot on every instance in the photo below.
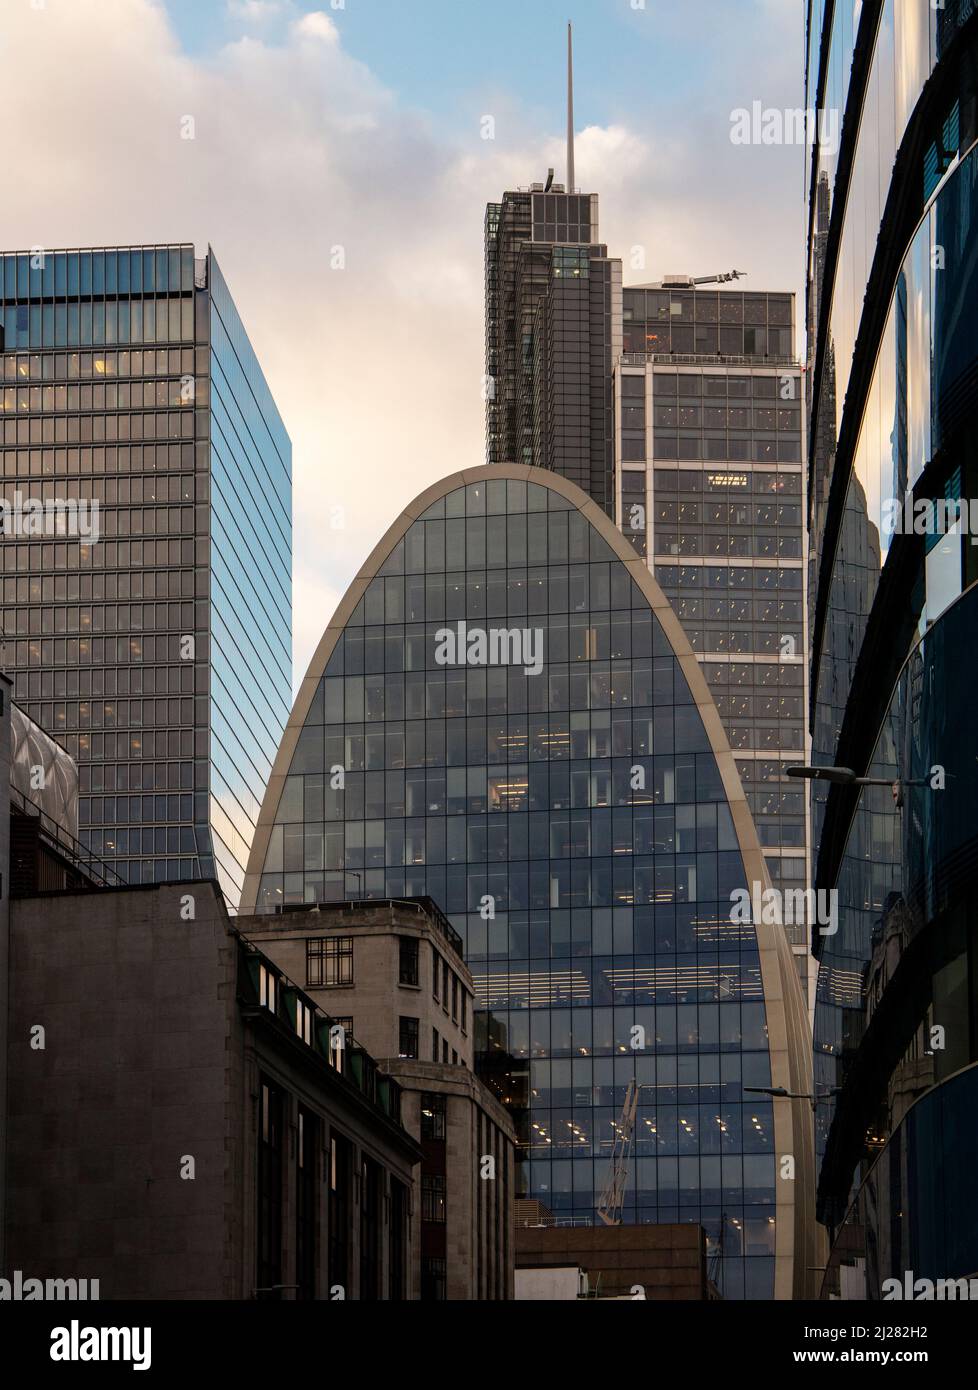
(505, 716)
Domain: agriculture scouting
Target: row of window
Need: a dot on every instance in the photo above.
(97, 324)
(740, 610)
(708, 543)
(760, 481)
(100, 651)
(121, 714)
(723, 513)
(123, 617)
(170, 839)
(140, 270)
(758, 577)
(135, 809)
(447, 989)
(340, 1193)
(181, 392)
(481, 839)
(706, 306)
(97, 366)
(110, 491)
(38, 556)
(712, 448)
(98, 429)
(124, 680)
(74, 588)
(689, 416)
(435, 695)
(761, 674)
(135, 458)
(708, 339)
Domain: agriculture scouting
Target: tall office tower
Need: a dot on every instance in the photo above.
(709, 411)
(505, 715)
(553, 330)
(893, 327)
(553, 327)
(147, 549)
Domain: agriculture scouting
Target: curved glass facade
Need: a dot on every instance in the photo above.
(555, 789)
(895, 610)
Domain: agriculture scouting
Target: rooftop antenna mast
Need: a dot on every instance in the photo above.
(570, 109)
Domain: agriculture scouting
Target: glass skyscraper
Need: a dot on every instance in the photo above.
(505, 715)
(155, 641)
(893, 336)
(553, 333)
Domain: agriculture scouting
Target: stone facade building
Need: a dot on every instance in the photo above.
(393, 971)
(183, 1122)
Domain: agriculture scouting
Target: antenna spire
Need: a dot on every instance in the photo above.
(570, 109)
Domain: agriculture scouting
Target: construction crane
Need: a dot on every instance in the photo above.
(613, 1197)
(688, 282)
(612, 1200)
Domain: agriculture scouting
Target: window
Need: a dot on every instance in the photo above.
(407, 1037)
(329, 960)
(434, 1044)
(303, 1021)
(454, 999)
(370, 1215)
(306, 1213)
(465, 1012)
(432, 1115)
(433, 1281)
(397, 1263)
(408, 946)
(433, 1198)
(266, 988)
(340, 1208)
(269, 1191)
(435, 973)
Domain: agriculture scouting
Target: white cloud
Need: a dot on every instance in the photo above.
(298, 150)
(254, 11)
(317, 25)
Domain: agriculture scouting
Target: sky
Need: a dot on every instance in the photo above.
(339, 165)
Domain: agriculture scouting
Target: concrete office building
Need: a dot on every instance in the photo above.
(147, 612)
(709, 403)
(392, 971)
(892, 312)
(526, 736)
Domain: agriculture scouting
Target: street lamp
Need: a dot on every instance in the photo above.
(846, 777)
(780, 1093)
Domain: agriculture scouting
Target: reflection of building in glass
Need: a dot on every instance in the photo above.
(709, 406)
(159, 652)
(893, 303)
(583, 828)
